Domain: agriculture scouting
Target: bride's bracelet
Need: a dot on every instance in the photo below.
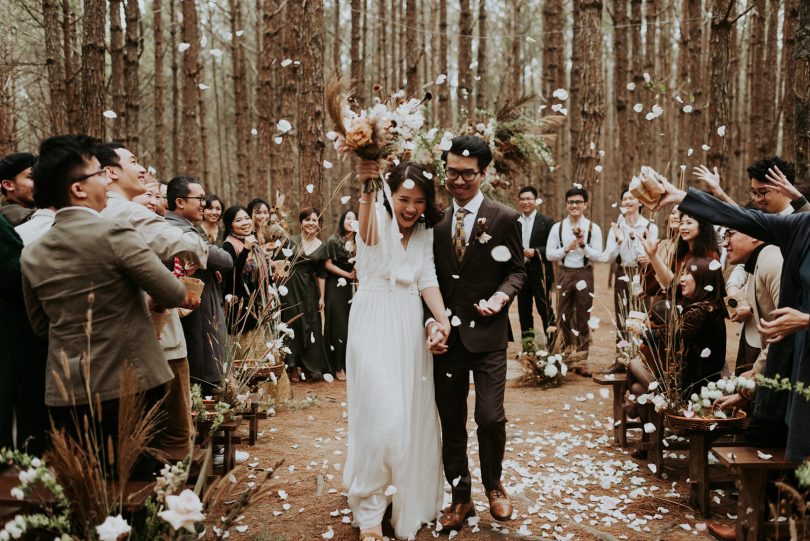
(369, 186)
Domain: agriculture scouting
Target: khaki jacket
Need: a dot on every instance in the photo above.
(84, 255)
(762, 294)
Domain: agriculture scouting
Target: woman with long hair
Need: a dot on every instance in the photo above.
(393, 421)
(240, 285)
(211, 217)
(259, 211)
(341, 276)
(304, 301)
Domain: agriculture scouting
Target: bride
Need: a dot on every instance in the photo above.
(394, 450)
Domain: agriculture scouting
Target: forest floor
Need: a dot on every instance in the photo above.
(566, 476)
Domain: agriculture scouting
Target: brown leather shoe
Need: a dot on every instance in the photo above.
(453, 517)
(723, 532)
(500, 506)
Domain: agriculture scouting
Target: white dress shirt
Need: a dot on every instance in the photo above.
(629, 249)
(472, 207)
(527, 224)
(575, 259)
(39, 224)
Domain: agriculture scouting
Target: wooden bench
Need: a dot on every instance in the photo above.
(752, 477)
(618, 382)
(252, 416)
(699, 443)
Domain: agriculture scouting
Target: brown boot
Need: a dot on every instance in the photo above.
(500, 506)
(453, 517)
(723, 532)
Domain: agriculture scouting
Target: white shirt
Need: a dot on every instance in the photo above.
(472, 206)
(527, 223)
(575, 259)
(39, 224)
(629, 249)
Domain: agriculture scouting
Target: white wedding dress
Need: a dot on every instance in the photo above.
(394, 449)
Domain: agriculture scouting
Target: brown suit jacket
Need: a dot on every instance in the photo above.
(84, 254)
(478, 276)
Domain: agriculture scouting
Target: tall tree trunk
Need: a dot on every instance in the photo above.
(132, 79)
(720, 77)
(310, 129)
(411, 50)
(55, 63)
(465, 30)
(385, 60)
(93, 47)
(7, 139)
(336, 43)
(175, 67)
(693, 40)
(623, 143)
(575, 86)
(73, 90)
(285, 181)
(801, 90)
(553, 77)
(759, 78)
(482, 94)
(158, 109)
(117, 88)
(511, 87)
(241, 105)
(445, 112)
(191, 80)
(637, 67)
(592, 108)
(264, 103)
(788, 96)
(650, 128)
(767, 143)
(355, 51)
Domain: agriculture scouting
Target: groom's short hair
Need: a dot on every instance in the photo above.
(474, 145)
(577, 191)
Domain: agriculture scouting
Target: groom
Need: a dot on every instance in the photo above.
(479, 262)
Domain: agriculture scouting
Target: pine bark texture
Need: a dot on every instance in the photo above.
(465, 58)
(801, 89)
(720, 78)
(191, 145)
(93, 48)
(132, 79)
(311, 107)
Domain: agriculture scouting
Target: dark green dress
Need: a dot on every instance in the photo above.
(308, 349)
(339, 292)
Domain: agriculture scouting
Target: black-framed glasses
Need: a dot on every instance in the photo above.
(468, 174)
(728, 234)
(758, 194)
(574, 202)
(200, 198)
(90, 175)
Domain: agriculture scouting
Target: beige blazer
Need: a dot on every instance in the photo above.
(762, 294)
(84, 256)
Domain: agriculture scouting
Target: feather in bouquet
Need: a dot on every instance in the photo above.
(391, 129)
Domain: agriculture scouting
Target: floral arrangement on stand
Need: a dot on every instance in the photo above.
(540, 367)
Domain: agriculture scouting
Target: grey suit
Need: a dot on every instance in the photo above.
(205, 328)
(84, 255)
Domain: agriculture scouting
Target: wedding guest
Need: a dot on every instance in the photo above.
(205, 329)
(539, 270)
(212, 213)
(84, 263)
(148, 198)
(128, 179)
(17, 187)
(305, 296)
(341, 278)
(696, 238)
(22, 357)
(241, 284)
(786, 333)
(700, 331)
(160, 207)
(623, 249)
(259, 211)
(576, 243)
(667, 247)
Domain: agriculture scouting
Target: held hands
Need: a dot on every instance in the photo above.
(493, 305)
(437, 334)
(785, 322)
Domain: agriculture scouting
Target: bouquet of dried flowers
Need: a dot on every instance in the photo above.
(540, 367)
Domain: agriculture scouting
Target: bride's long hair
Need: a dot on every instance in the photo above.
(415, 172)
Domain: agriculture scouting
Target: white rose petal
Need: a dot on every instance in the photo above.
(687, 109)
(328, 534)
(764, 456)
(501, 253)
(441, 79)
(327, 164)
(283, 126)
(631, 86)
(705, 353)
(328, 378)
(714, 265)
(721, 131)
(310, 188)
(561, 94)
(286, 62)
(709, 288)
(183, 510)
(408, 184)
(345, 199)
(341, 281)
(455, 321)
(649, 428)
(203, 86)
(277, 139)
(582, 284)
(593, 323)
(445, 144)
(109, 114)
(282, 290)
(638, 107)
(183, 47)
(705, 148)
(390, 490)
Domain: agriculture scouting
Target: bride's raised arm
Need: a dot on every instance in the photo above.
(367, 172)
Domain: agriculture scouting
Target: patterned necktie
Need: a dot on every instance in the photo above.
(459, 237)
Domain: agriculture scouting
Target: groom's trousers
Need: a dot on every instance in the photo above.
(451, 373)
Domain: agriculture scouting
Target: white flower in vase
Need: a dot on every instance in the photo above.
(113, 529)
(184, 510)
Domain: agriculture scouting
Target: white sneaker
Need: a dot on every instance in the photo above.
(241, 456)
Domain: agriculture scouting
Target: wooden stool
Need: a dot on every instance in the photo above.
(618, 382)
(752, 478)
(653, 442)
(252, 415)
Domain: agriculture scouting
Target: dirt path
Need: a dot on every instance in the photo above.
(567, 478)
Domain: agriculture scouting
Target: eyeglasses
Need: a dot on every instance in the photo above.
(575, 202)
(200, 198)
(468, 175)
(90, 175)
(758, 194)
(728, 234)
